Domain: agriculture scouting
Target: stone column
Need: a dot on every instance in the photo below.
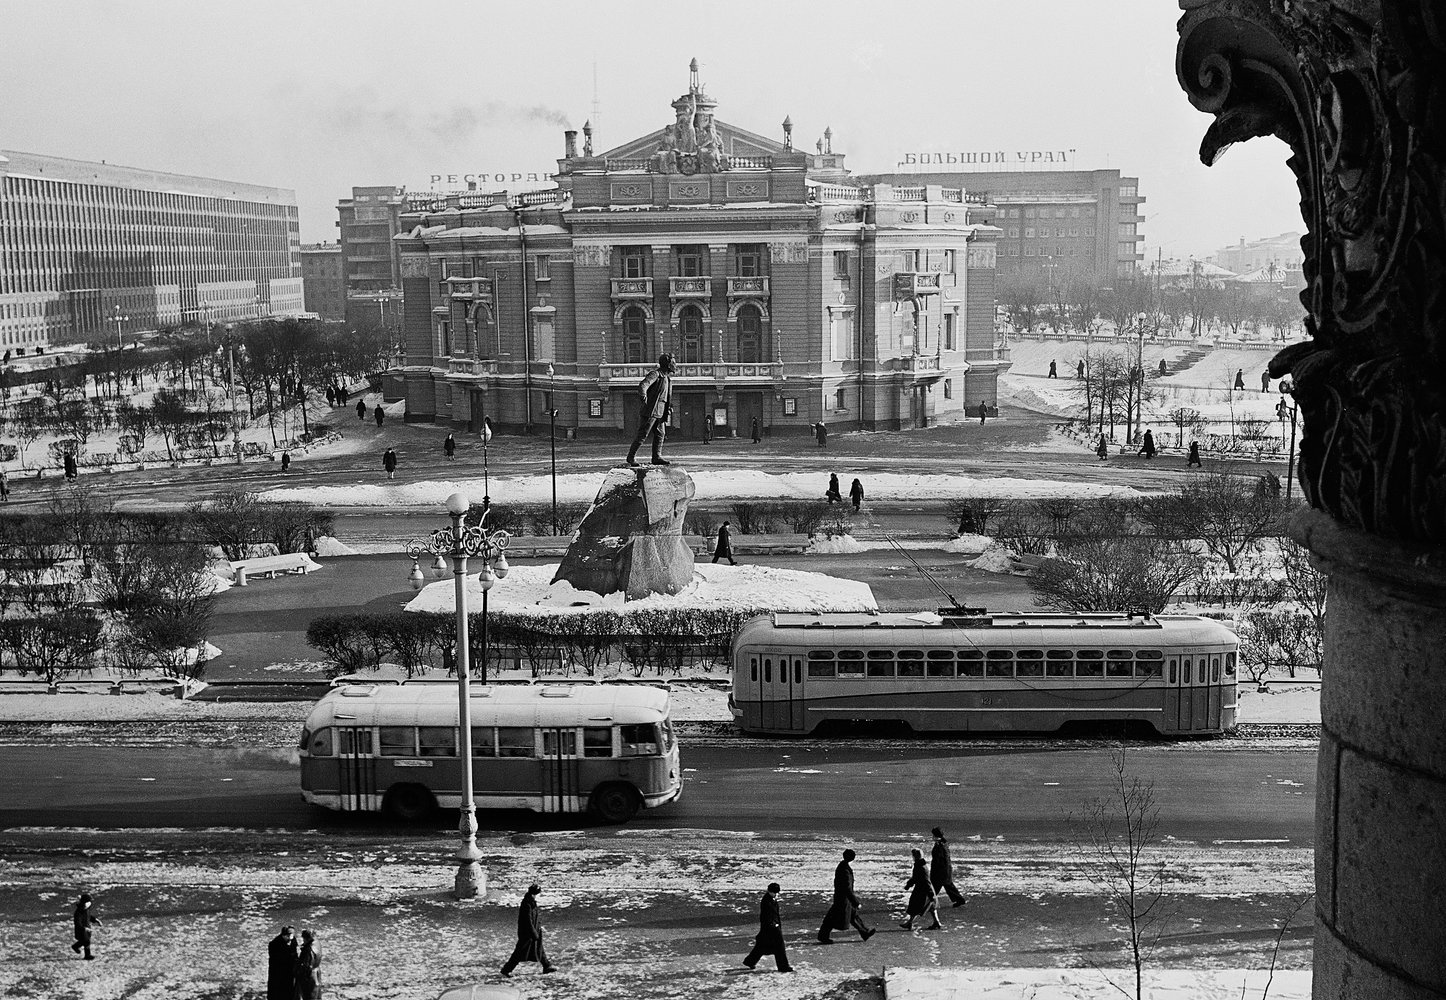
(1358, 90)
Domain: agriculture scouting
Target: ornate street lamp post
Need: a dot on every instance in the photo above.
(462, 542)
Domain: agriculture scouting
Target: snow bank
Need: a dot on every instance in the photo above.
(530, 588)
(968, 544)
(995, 559)
(138, 707)
(1091, 984)
(840, 545)
(326, 546)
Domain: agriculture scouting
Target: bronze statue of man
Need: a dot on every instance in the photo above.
(656, 389)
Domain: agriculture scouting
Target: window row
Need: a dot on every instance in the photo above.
(1118, 663)
(640, 740)
(1058, 213)
(1045, 232)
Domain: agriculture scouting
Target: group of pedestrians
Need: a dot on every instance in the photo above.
(925, 882)
(833, 495)
(293, 966)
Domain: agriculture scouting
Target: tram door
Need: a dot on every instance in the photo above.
(782, 687)
(1185, 692)
(357, 769)
(560, 777)
(1213, 693)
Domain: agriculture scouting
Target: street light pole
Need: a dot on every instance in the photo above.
(461, 542)
(1287, 388)
(552, 422)
(120, 347)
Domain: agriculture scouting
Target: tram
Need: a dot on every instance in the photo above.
(965, 670)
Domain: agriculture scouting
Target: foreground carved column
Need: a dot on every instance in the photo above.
(1357, 88)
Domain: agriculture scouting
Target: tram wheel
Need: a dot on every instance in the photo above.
(615, 803)
(409, 803)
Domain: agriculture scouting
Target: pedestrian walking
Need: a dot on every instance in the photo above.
(361, 409)
(723, 549)
(1052, 372)
(983, 413)
(1194, 457)
(342, 396)
(1147, 447)
(656, 390)
(922, 900)
(843, 913)
(754, 423)
(820, 434)
(389, 462)
(1240, 378)
(4, 487)
(84, 920)
(281, 960)
(941, 869)
(856, 494)
(71, 469)
(285, 460)
(1102, 449)
(449, 447)
(529, 935)
(330, 396)
(1265, 381)
(707, 431)
(1164, 368)
(832, 494)
(308, 968)
(770, 932)
(1079, 369)
(379, 414)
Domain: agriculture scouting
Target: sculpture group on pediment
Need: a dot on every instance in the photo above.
(691, 144)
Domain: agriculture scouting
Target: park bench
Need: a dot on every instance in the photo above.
(269, 566)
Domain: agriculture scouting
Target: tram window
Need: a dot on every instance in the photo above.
(397, 741)
(753, 668)
(939, 668)
(357, 741)
(1121, 662)
(437, 741)
(821, 669)
(1149, 668)
(971, 663)
(880, 668)
(820, 654)
(911, 668)
(1149, 654)
(597, 741)
(484, 741)
(1229, 664)
(856, 654)
(941, 654)
(798, 671)
(559, 742)
(768, 671)
(1172, 671)
(1185, 670)
(1029, 668)
(515, 741)
(1215, 669)
(640, 740)
(1090, 654)
(881, 654)
(1001, 663)
(1059, 667)
(1029, 654)
(854, 669)
(320, 743)
(1088, 668)
(1200, 671)
(911, 654)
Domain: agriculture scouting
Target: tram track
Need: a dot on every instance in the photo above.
(253, 734)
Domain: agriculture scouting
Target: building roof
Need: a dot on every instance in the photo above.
(59, 168)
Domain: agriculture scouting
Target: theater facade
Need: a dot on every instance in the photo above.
(787, 294)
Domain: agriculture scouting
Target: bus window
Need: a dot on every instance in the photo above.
(484, 741)
(1120, 662)
(515, 741)
(1229, 664)
(356, 741)
(971, 663)
(397, 741)
(1149, 662)
(667, 734)
(641, 740)
(1060, 662)
(437, 741)
(559, 743)
(1088, 663)
(320, 743)
(768, 671)
(597, 741)
(1215, 669)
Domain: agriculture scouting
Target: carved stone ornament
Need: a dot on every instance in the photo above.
(592, 255)
(981, 256)
(1362, 105)
(788, 252)
(415, 266)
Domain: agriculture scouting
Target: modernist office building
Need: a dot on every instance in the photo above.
(84, 244)
(1054, 222)
(787, 294)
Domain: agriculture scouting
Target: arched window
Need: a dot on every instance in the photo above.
(690, 334)
(750, 335)
(635, 334)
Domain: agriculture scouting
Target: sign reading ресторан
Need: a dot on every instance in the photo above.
(998, 158)
(439, 181)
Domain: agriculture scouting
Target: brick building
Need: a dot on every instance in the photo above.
(323, 281)
(787, 294)
(371, 262)
(90, 251)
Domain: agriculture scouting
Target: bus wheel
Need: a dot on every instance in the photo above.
(615, 803)
(409, 802)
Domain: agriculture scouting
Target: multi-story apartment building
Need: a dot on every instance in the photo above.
(323, 280)
(371, 262)
(787, 295)
(1055, 223)
(93, 251)
(1282, 252)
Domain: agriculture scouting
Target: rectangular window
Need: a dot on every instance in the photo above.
(397, 741)
(1029, 213)
(484, 741)
(911, 260)
(1229, 664)
(841, 265)
(544, 339)
(948, 388)
(1014, 232)
(1001, 663)
(542, 268)
(597, 741)
(690, 261)
(1119, 663)
(838, 400)
(1089, 230)
(1059, 663)
(750, 260)
(437, 741)
(1089, 663)
(911, 663)
(640, 740)
(949, 333)
(841, 335)
(356, 741)
(515, 741)
(559, 742)
(1029, 232)
(1029, 251)
(949, 258)
(820, 668)
(635, 262)
(1029, 663)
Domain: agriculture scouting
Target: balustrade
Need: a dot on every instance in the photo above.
(750, 287)
(632, 288)
(697, 287)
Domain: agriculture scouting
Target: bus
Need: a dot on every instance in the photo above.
(608, 749)
(965, 670)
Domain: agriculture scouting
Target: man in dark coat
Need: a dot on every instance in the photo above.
(84, 919)
(361, 409)
(820, 433)
(1079, 369)
(379, 414)
(285, 460)
(707, 431)
(529, 934)
(281, 957)
(1240, 378)
(770, 932)
(1053, 373)
(656, 389)
(1194, 457)
(1164, 368)
(756, 438)
(389, 462)
(71, 469)
(330, 396)
(941, 868)
(1147, 447)
(832, 494)
(856, 494)
(1265, 381)
(449, 446)
(724, 548)
(308, 968)
(844, 912)
(983, 413)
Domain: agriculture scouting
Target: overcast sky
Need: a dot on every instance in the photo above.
(320, 96)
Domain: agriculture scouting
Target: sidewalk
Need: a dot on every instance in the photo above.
(1092, 984)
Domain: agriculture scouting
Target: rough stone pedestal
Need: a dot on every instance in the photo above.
(631, 540)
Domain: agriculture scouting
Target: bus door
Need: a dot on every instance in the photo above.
(782, 687)
(357, 769)
(561, 780)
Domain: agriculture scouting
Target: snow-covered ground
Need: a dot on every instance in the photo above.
(735, 484)
(1092, 984)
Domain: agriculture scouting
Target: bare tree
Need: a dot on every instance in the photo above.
(1115, 835)
(971, 515)
(1226, 513)
(1307, 586)
(1185, 418)
(1021, 298)
(1102, 571)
